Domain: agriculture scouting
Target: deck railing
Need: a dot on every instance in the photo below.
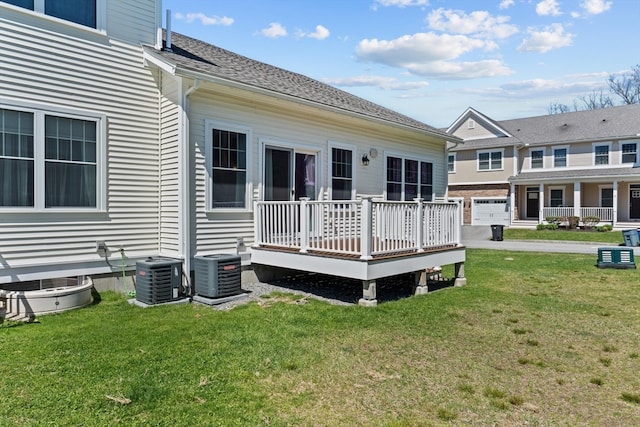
(363, 228)
(605, 214)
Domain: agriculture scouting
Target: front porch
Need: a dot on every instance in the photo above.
(363, 239)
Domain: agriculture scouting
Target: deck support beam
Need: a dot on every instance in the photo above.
(368, 294)
(459, 272)
(422, 285)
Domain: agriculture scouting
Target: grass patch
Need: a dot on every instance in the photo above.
(631, 397)
(610, 237)
(451, 357)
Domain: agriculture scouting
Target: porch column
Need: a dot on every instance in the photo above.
(512, 203)
(304, 224)
(614, 219)
(257, 221)
(366, 229)
(419, 222)
(368, 294)
(541, 204)
(460, 280)
(577, 203)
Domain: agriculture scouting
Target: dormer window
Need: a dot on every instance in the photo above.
(82, 12)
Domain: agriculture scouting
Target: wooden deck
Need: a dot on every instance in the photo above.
(360, 239)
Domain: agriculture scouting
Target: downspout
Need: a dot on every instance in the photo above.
(185, 172)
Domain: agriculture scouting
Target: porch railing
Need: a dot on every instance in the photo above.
(364, 228)
(605, 214)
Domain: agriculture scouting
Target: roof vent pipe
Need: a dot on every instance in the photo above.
(168, 43)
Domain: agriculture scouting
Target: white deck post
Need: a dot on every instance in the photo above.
(577, 203)
(304, 224)
(366, 229)
(541, 204)
(419, 224)
(257, 219)
(614, 213)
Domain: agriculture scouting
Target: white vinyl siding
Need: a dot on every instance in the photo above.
(169, 200)
(295, 126)
(53, 69)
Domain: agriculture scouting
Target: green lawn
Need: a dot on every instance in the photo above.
(533, 339)
(613, 237)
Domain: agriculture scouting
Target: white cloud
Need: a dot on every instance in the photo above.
(204, 19)
(506, 4)
(595, 7)
(551, 37)
(432, 55)
(402, 3)
(320, 33)
(548, 7)
(386, 83)
(478, 22)
(274, 30)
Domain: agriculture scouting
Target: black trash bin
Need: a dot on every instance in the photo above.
(496, 232)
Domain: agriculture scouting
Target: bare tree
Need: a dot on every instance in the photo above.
(626, 85)
(557, 108)
(595, 101)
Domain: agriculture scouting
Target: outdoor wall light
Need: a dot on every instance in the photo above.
(365, 160)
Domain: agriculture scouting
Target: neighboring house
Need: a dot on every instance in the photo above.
(581, 164)
(179, 148)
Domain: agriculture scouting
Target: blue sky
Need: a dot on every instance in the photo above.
(431, 59)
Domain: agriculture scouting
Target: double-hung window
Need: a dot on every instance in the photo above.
(629, 152)
(559, 157)
(490, 160)
(556, 197)
(226, 160)
(408, 179)
(49, 160)
(451, 163)
(82, 12)
(537, 159)
(601, 154)
(606, 197)
(341, 173)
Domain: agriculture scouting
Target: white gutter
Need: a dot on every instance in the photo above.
(185, 184)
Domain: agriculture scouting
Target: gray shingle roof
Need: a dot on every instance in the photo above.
(189, 54)
(576, 174)
(589, 125)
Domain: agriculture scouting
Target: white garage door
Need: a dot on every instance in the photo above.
(490, 211)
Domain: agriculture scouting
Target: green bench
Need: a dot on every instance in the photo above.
(616, 258)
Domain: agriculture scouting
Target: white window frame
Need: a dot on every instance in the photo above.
(40, 111)
(544, 157)
(209, 126)
(564, 195)
(561, 147)
(633, 142)
(471, 124)
(38, 10)
(404, 157)
(604, 187)
(490, 152)
(595, 145)
(354, 161)
(455, 158)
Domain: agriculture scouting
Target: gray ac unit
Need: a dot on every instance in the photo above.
(218, 275)
(158, 280)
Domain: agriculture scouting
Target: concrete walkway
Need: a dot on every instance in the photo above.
(479, 237)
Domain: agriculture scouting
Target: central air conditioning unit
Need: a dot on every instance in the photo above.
(218, 275)
(158, 280)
